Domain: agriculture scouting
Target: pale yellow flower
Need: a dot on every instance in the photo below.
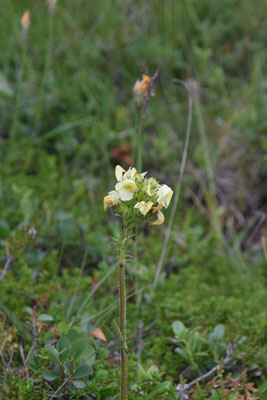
(159, 220)
(164, 195)
(25, 21)
(144, 207)
(126, 189)
(112, 199)
(119, 172)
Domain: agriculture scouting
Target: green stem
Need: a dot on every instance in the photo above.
(13, 130)
(138, 161)
(39, 111)
(211, 195)
(122, 301)
(138, 141)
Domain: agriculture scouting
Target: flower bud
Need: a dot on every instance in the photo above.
(160, 219)
(140, 89)
(25, 21)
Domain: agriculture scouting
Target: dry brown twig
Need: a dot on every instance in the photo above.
(7, 265)
(190, 90)
(24, 361)
(140, 339)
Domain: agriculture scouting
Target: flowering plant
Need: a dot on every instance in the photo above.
(135, 199)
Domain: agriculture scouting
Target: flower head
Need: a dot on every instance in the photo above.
(140, 89)
(25, 21)
(137, 198)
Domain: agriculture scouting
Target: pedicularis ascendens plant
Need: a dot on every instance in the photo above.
(135, 199)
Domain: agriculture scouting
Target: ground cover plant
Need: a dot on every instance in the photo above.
(195, 285)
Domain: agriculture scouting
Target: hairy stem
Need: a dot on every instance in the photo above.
(139, 141)
(138, 163)
(122, 302)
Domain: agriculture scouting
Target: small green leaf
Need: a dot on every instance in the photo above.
(29, 310)
(53, 354)
(63, 327)
(51, 375)
(14, 320)
(64, 348)
(73, 335)
(201, 354)
(82, 371)
(45, 317)
(179, 329)
(194, 341)
(263, 388)
(82, 347)
(78, 384)
(214, 395)
(183, 354)
(34, 363)
(218, 332)
(232, 396)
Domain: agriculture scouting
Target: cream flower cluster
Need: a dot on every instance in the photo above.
(136, 197)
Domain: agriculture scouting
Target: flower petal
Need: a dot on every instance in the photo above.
(112, 199)
(144, 206)
(130, 173)
(126, 195)
(126, 189)
(119, 172)
(159, 220)
(164, 195)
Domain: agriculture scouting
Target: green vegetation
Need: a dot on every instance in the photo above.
(67, 119)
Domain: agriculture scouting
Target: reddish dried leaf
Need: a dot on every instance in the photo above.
(121, 153)
(98, 334)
